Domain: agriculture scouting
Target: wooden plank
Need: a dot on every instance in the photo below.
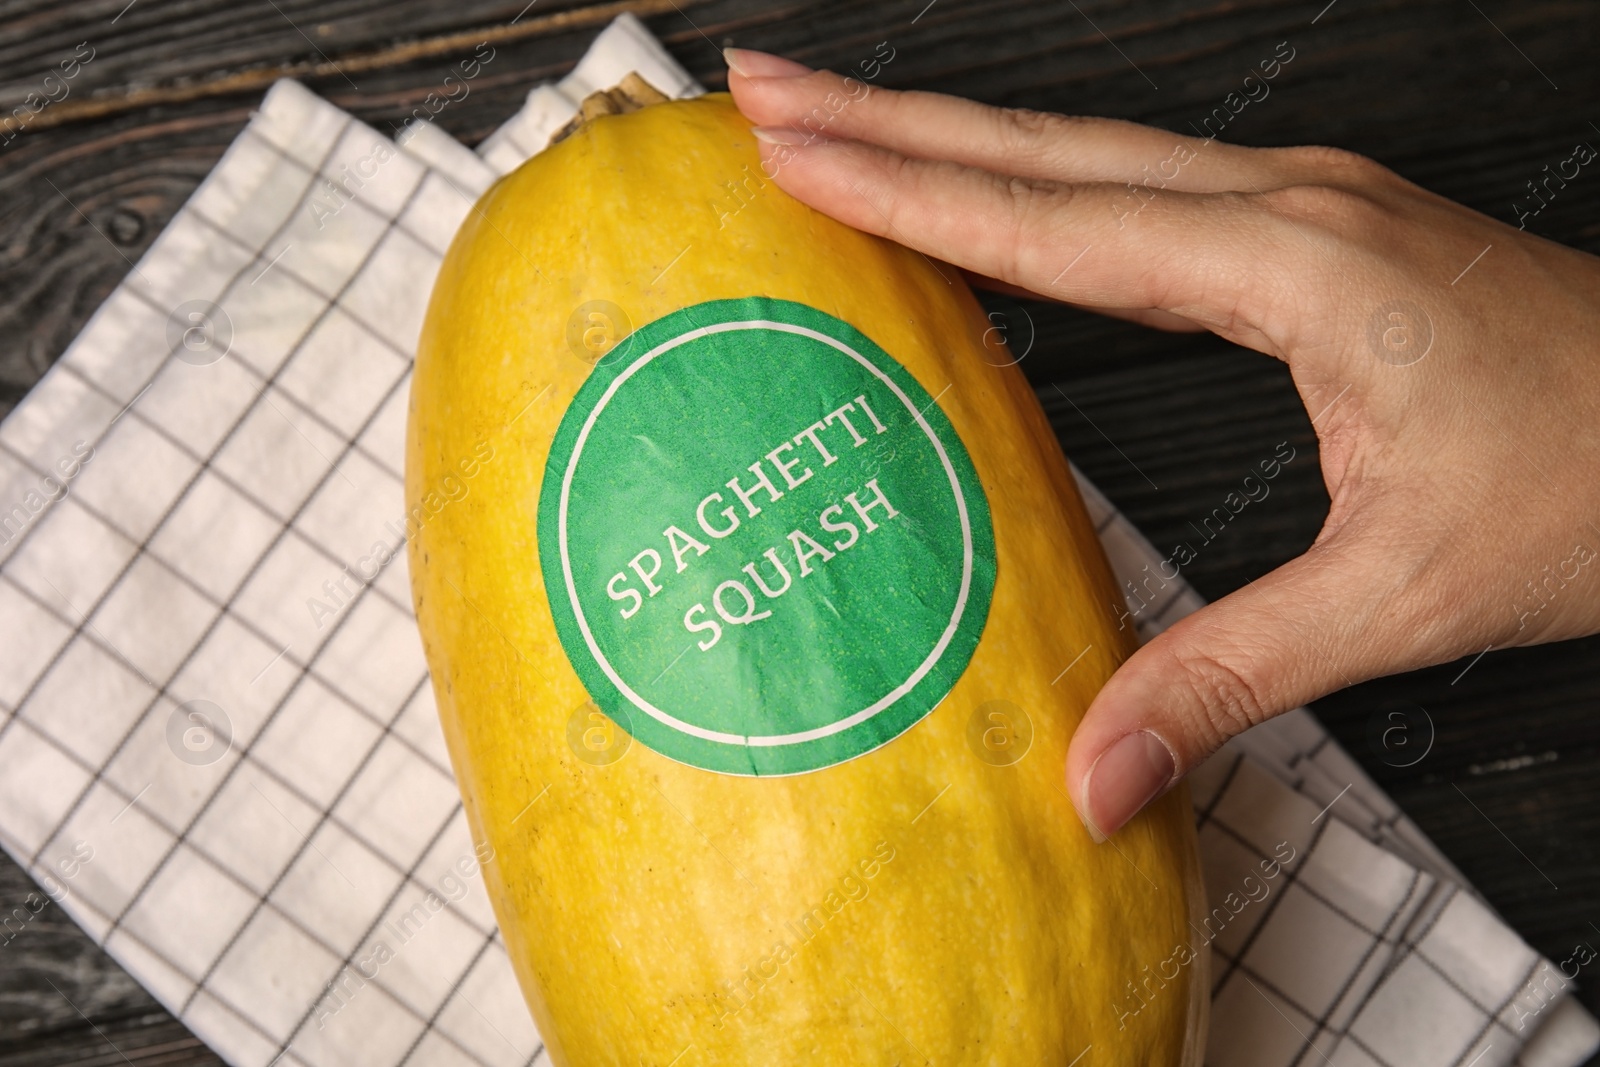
(53, 979)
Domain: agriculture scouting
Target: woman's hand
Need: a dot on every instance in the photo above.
(1448, 361)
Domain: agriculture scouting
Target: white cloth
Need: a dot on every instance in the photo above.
(248, 801)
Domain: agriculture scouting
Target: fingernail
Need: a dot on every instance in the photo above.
(1126, 777)
(785, 136)
(752, 64)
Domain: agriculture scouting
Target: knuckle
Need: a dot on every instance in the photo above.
(1312, 202)
(1331, 208)
(1033, 205)
(1337, 164)
(1225, 701)
(896, 172)
(1027, 196)
(1026, 132)
(1027, 121)
(898, 168)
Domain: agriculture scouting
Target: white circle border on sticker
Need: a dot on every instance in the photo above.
(767, 740)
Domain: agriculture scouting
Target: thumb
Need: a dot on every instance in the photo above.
(1320, 622)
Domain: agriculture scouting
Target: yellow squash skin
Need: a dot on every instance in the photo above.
(649, 906)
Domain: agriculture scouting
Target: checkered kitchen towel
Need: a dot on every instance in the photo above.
(250, 804)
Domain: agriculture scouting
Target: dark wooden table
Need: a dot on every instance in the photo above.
(1471, 98)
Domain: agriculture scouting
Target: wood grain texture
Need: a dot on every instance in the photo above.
(1165, 424)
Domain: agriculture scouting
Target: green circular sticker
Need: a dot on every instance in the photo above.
(765, 548)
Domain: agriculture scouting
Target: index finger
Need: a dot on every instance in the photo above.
(1207, 257)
